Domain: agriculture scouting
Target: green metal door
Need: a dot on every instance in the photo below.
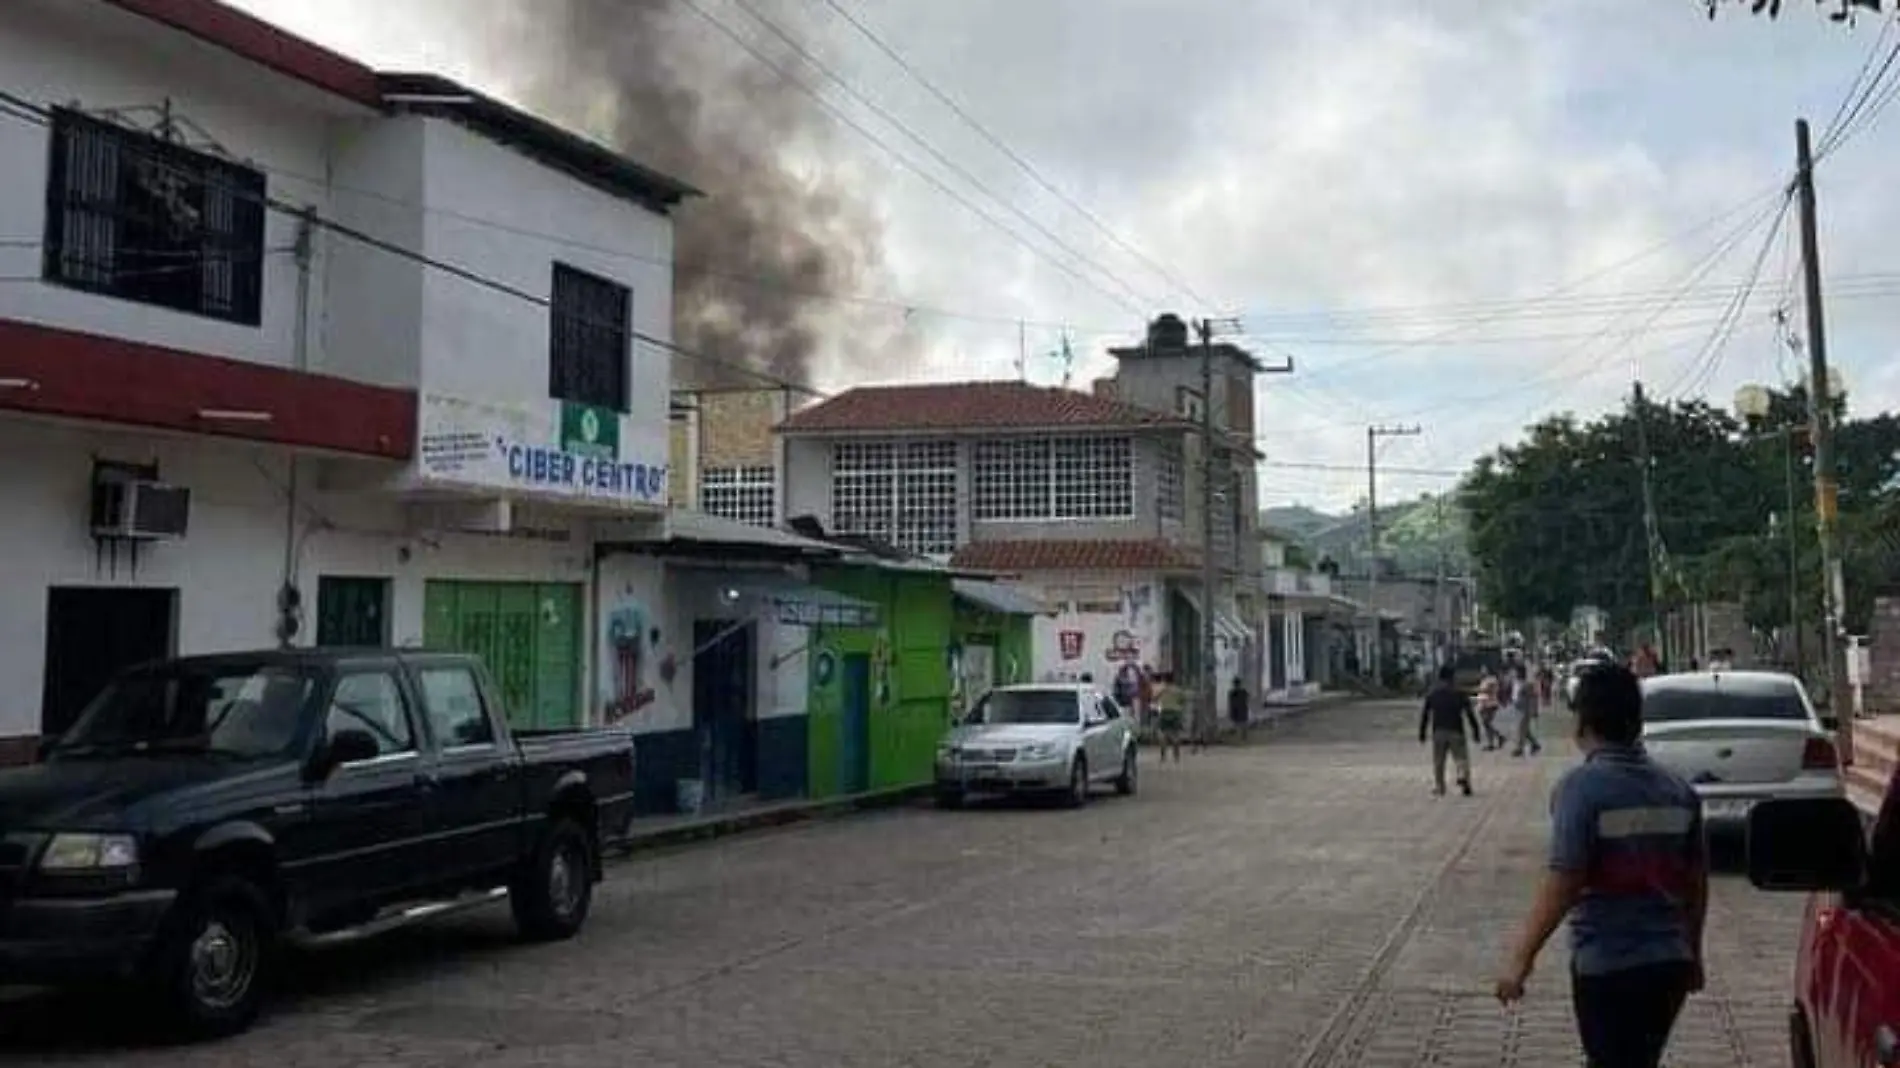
(527, 633)
(352, 611)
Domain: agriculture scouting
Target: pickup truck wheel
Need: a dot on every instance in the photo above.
(210, 969)
(1078, 794)
(552, 895)
(1126, 782)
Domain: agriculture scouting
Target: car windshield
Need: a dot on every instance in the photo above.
(1675, 704)
(246, 711)
(1028, 706)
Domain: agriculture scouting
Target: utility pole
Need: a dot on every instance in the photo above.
(1210, 686)
(1652, 530)
(1373, 434)
(1821, 429)
(1215, 468)
(1440, 626)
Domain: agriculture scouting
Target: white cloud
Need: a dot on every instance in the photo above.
(1291, 159)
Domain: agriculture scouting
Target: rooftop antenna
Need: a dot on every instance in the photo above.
(1065, 355)
(1022, 351)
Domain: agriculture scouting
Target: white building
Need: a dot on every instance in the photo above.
(291, 348)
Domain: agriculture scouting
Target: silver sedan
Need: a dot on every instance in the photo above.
(1056, 739)
(1740, 737)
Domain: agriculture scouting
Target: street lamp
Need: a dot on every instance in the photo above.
(1753, 404)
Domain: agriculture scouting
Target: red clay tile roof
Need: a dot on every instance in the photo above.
(1002, 405)
(1017, 557)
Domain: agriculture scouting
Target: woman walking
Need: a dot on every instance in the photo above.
(1524, 704)
(1488, 711)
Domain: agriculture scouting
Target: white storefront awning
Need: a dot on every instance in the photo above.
(996, 597)
(1226, 626)
(799, 604)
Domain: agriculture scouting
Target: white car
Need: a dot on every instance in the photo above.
(1740, 737)
(1060, 739)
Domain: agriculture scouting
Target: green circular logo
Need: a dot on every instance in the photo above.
(590, 426)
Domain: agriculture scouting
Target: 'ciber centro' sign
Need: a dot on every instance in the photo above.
(569, 449)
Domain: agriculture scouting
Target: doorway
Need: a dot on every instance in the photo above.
(854, 748)
(722, 707)
(93, 633)
(352, 612)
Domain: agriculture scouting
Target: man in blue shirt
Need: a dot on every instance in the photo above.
(1629, 867)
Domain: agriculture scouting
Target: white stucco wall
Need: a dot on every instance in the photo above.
(95, 55)
(495, 212)
(1108, 640)
(231, 563)
(639, 595)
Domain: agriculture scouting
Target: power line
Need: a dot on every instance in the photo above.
(41, 117)
(1710, 356)
(1605, 271)
(1015, 157)
(1127, 299)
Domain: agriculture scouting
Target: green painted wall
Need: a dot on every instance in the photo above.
(1008, 635)
(910, 676)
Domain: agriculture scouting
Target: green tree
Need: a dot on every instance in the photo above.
(1843, 10)
(1556, 521)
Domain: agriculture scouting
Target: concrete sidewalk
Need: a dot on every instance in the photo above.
(649, 833)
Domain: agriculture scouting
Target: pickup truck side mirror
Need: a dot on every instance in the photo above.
(347, 746)
(1808, 845)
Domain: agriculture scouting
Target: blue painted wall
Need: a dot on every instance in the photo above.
(660, 760)
(783, 754)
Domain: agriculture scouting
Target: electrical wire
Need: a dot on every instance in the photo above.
(1172, 277)
(42, 117)
(1702, 367)
(1127, 299)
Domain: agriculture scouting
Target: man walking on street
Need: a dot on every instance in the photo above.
(1629, 868)
(1237, 711)
(1446, 714)
(1524, 704)
(1169, 719)
(1488, 710)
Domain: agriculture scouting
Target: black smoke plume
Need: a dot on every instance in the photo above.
(776, 230)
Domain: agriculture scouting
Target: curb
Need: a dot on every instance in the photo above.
(707, 828)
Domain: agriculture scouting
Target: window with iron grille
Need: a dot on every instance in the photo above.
(137, 217)
(741, 494)
(1055, 478)
(591, 321)
(1012, 479)
(1170, 480)
(902, 493)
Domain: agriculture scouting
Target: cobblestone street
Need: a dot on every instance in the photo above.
(1302, 902)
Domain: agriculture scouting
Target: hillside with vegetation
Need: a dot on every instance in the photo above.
(1414, 536)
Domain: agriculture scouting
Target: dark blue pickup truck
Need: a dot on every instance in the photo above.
(203, 812)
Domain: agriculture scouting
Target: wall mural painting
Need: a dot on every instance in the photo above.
(639, 665)
(1111, 637)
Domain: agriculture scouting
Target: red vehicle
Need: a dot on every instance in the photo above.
(1847, 974)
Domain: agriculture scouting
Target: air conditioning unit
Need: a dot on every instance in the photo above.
(138, 509)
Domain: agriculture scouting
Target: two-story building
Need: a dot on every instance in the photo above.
(1093, 499)
(293, 350)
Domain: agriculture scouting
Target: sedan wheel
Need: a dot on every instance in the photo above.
(1078, 783)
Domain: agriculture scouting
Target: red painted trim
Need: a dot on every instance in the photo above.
(85, 376)
(265, 44)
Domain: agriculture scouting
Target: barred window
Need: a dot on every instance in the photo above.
(1012, 479)
(592, 343)
(741, 494)
(902, 493)
(1170, 483)
(1055, 478)
(137, 217)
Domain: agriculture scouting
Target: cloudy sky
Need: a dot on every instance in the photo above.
(1464, 214)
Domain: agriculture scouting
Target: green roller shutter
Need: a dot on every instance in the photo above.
(527, 634)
